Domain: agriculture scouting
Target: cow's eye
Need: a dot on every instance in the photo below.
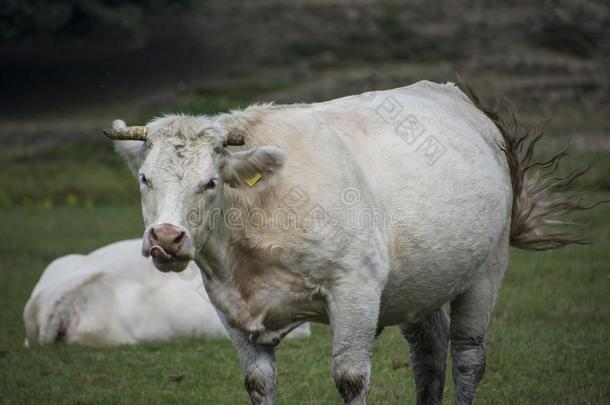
(210, 185)
(144, 180)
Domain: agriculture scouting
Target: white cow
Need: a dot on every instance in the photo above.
(115, 296)
(361, 212)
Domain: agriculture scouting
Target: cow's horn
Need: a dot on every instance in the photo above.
(234, 138)
(135, 133)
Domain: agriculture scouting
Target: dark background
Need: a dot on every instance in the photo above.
(75, 64)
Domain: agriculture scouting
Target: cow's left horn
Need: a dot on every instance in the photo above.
(127, 134)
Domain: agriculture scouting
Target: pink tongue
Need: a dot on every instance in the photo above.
(159, 254)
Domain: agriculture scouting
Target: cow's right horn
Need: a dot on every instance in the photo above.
(234, 137)
(133, 133)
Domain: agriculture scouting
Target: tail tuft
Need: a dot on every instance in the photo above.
(541, 201)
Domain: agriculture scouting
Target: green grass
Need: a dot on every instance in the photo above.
(548, 341)
(81, 172)
(84, 172)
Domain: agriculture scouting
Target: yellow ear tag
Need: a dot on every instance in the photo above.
(254, 179)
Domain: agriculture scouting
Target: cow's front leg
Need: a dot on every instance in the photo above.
(353, 313)
(260, 376)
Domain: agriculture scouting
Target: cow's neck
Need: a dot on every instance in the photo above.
(248, 276)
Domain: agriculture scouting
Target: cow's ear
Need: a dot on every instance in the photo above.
(131, 151)
(251, 167)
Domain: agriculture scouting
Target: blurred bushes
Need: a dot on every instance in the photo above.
(385, 33)
(565, 32)
(32, 19)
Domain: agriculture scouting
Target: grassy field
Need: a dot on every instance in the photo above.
(548, 342)
(63, 190)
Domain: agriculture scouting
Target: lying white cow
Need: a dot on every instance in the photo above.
(115, 296)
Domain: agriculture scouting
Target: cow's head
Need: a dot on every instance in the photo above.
(183, 165)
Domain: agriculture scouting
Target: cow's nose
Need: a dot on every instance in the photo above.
(168, 237)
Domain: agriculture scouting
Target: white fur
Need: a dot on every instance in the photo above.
(451, 238)
(115, 296)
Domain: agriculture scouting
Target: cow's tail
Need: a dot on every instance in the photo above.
(541, 200)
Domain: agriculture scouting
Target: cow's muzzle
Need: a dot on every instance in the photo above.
(169, 246)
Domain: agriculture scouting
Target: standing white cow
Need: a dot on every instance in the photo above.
(361, 212)
(115, 296)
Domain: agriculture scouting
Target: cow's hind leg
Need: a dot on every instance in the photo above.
(470, 314)
(428, 340)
